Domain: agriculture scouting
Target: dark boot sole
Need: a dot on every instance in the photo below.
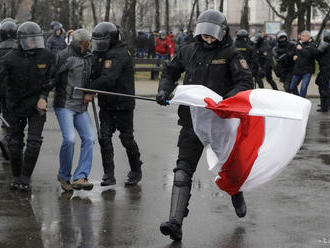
(80, 187)
(167, 231)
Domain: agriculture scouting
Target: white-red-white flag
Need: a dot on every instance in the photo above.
(249, 138)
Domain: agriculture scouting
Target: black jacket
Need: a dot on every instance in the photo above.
(264, 55)
(222, 69)
(323, 57)
(113, 71)
(27, 77)
(283, 53)
(5, 47)
(249, 54)
(56, 43)
(306, 58)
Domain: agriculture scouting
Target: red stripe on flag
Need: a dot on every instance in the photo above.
(236, 169)
(250, 136)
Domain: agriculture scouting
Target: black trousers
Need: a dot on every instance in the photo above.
(121, 120)
(190, 151)
(23, 164)
(269, 78)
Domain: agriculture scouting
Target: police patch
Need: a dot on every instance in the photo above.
(219, 61)
(107, 63)
(244, 64)
(100, 60)
(41, 66)
(241, 49)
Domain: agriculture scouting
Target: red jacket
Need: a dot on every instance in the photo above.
(162, 46)
(171, 44)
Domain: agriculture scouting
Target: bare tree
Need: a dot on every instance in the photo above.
(167, 16)
(244, 24)
(197, 8)
(93, 12)
(128, 24)
(221, 5)
(107, 11)
(157, 16)
(192, 14)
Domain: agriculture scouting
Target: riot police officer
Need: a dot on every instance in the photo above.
(283, 53)
(213, 62)
(8, 42)
(243, 45)
(113, 71)
(27, 73)
(265, 60)
(323, 78)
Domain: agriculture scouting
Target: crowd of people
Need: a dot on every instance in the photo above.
(33, 63)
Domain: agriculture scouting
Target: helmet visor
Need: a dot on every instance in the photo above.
(210, 29)
(30, 43)
(100, 45)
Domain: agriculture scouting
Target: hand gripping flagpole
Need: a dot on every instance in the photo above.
(101, 92)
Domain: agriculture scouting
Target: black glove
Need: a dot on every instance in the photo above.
(163, 97)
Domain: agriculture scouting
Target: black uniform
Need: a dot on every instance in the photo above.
(265, 60)
(27, 76)
(283, 54)
(323, 78)
(249, 54)
(218, 66)
(113, 71)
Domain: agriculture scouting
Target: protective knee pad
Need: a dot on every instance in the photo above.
(182, 178)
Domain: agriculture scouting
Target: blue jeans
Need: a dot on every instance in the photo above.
(69, 121)
(305, 78)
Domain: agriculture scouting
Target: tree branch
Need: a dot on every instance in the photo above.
(275, 11)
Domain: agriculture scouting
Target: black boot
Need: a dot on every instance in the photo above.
(133, 177)
(179, 203)
(239, 204)
(108, 180)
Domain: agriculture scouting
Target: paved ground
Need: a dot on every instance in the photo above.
(291, 211)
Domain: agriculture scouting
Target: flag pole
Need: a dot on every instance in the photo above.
(101, 92)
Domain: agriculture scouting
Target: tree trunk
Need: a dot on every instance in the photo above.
(244, 24)
(128, 25)
(289, 19)
(301, 16)
(206, 4)
(308, 16)
(157, 16)
(167, 16)
(192, 15)
(197, 9)
(107, 11)
(323, 25)
(221, 6)
(93, 12)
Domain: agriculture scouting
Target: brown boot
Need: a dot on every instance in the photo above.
(65, 185)
(82, 183)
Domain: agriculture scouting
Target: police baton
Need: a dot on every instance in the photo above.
(97, 124)
(101, 92)
(4, 121)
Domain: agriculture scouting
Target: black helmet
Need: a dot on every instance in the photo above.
(242, 34)
(258, 37)
(8, 19)
(54, 25)
(30, 36)
(212, 22)
(104, 35)
(281, 34)
(326, 36)
(8, 30)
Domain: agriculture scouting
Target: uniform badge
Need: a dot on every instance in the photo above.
(100, 60)
(244, 64)
(243, 49)
(219, 61)
(107, 63)
(265, 53)
(41, 66)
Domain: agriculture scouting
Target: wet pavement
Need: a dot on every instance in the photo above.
(290, 211)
